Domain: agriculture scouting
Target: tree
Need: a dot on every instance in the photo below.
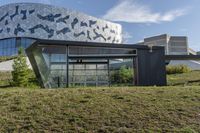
(20, 73)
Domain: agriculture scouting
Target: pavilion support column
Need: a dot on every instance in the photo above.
(135, 71)
(67, 66)
(108, 66)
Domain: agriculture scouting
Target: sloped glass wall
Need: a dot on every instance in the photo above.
(51, 62)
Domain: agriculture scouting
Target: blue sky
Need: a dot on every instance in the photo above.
(141, 18)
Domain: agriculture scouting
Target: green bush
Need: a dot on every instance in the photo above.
(6, 79)
(20, 73)
(21, 76)
(176, 69)
(122, 76)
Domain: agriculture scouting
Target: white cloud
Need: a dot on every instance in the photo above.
(140, 41)
(183, 30)
(126, 36)
(45, 1)
(79, 2)
(132, 12)
(3, 2)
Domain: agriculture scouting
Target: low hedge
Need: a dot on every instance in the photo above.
(176, 69)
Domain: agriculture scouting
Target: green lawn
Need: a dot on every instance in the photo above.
(187, 79)
(5, 79)
(125, 109)
(175, 108)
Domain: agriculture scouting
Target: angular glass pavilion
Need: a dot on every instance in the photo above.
(67, 63)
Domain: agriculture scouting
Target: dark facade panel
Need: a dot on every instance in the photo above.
(150, 66)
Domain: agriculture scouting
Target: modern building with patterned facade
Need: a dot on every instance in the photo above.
(22, 23)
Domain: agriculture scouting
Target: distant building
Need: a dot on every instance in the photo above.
(174, 45)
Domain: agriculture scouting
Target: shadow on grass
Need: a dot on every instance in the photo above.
(5, 86)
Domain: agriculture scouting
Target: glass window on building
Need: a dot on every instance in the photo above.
(9, 47)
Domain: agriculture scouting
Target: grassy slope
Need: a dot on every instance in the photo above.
(102, 109)
(5, 79)
(190, 78)
(140, 109)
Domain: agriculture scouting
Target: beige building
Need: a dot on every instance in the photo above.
(174, 45)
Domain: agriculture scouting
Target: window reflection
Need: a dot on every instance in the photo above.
(9, 47)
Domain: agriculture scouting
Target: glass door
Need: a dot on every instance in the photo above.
(88, 73)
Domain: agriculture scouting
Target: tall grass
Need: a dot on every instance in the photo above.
(5, 79)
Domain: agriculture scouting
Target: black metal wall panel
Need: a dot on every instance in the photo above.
(150, 67)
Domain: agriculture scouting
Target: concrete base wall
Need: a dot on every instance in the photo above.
(7, 65)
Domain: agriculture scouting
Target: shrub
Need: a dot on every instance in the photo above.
(32, 81)
(123, 76)
(177, 69)
(20, 73)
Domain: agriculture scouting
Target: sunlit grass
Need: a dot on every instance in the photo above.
(174, 108)
(117, 109)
